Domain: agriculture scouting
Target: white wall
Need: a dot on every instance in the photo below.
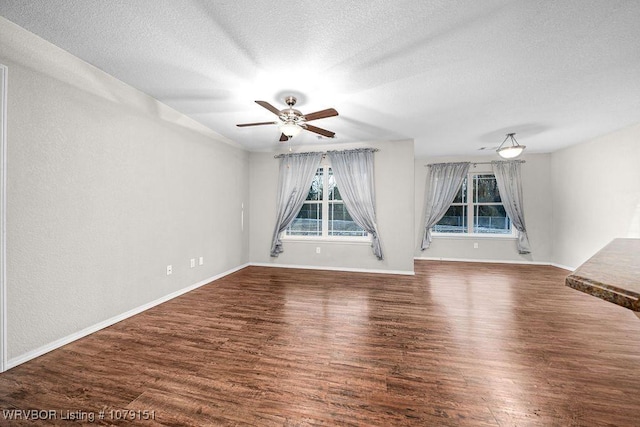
(536, 188)
(394, 199)
(596, 195)
(106, 187)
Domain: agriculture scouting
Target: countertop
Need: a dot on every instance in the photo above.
(613, 274)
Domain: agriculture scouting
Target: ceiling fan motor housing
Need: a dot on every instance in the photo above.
(291, 115)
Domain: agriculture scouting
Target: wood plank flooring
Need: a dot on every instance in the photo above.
(459, 344)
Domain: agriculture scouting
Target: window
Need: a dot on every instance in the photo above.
(477, 209)
(323, 213)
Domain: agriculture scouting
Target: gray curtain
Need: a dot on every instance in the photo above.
(443, 182)
(353, 170)
(296, 174)
(510, 187)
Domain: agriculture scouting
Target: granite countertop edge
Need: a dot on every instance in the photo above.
(613, 294)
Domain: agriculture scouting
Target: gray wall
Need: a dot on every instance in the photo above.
(106, 187)
(394, 199)
(536, 188)
(596, 195)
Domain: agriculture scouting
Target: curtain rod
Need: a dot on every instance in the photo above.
(324, 153)
(478, 163)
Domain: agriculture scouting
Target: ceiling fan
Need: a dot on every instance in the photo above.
(292, 121)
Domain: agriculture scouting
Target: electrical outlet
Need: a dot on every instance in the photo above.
(193, 262)
(201, 260)
(475, 245)
(169, 270)
(317, 249)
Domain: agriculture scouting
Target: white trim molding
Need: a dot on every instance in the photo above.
(494, 261)
(472, 236)
(564, 267)
(319, 267)
(487, 261)
(106, 323)
(3, 217)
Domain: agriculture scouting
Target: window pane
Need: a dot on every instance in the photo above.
(454, 221)
(308, 222)
(334, 193)
(461, 197)
(491, 219)
(341, 223)
(485, 189)
(315, 192)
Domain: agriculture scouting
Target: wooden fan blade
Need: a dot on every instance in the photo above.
(242, 125)
(320, 131)
(329, 112)
(283, 138)
(269, 107)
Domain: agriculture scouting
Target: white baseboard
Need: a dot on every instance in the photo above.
(94, 328)
(318, 267)
(494, 261)
(489, 261)
(564, 267)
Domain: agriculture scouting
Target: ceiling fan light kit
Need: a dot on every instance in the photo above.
(290, 129)
(292, 121)
(510, 151)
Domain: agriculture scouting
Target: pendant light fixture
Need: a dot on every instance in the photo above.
(510, 151)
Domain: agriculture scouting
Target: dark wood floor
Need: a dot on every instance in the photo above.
(457, 345)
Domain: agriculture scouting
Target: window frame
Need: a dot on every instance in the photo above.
(470, 217)
(325, 165)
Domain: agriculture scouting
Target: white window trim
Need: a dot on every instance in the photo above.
(324, 203)
(465, 236)
(349, 240)
(469, 204)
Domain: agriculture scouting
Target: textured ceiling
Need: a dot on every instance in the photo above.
(453, 75)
